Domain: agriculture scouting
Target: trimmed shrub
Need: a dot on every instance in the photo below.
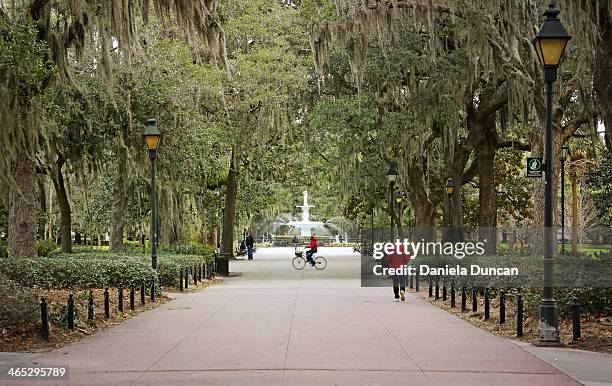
(19, 305)
(45, 247)
(78, 271)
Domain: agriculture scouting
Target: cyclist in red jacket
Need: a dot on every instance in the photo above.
(312, 250)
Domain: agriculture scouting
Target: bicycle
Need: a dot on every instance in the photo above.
(299, 261)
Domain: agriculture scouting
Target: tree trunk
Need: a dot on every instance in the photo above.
(229, 211)
(424, 209)
(602, 80)
(119, 197)
(487, 194)
(453, 213)
(22, 206)
(64, 205)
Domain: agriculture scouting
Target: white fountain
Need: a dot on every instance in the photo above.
(305, 225)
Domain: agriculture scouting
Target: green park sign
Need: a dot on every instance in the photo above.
(535, 167)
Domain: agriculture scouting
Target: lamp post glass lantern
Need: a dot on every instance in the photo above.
(549, 45)
(392, 177)
(152, 136)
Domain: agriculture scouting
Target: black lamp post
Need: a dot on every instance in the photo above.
(392, 176)
(152, 135)
(564, 154)
(450, 188)
(399, 198)
(549, 44)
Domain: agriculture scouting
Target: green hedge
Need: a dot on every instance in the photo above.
(77, 271)
(98, 269)
(19, 305)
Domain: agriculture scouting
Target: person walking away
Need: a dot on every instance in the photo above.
(295, 241)
(312, 249)
(398, 261)
(250, 243)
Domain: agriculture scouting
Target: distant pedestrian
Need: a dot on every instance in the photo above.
(398, 261)
(295, 241)
(250, 243)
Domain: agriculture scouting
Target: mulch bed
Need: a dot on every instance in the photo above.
(27, 337)
(596, 330)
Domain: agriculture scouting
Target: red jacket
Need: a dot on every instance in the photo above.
(313, 245)
(396, 260)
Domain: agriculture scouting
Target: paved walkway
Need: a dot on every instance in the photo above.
(273, 325)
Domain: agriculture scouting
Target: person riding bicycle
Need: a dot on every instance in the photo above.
(312, 249)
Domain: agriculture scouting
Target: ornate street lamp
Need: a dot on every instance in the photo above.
(549, 44)
(152, 136)
(399, 198)
(450, 188)
(392, 176)
(564, 154)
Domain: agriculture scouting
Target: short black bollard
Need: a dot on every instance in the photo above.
(200, 272)
(206, 271)
(411, 282)
(444, 291)
(132, 298)
(576, 333)
(519, 316)
(106, 304)
(474, 300)
(90, 306)
(463, 299)
(70, 311)
(142, 294)
(487, 304)
(452, 294)
(44, 318)
(181, 280)
(152, 290)
(186, 278)
(418, 281)
(120, 299)
(502, 308)
(214, 268)
(195, 275)
(430, 286)
(437, 290)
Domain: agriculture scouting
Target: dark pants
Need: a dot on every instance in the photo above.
(399, 284)
(309, 254)
(250, 252)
